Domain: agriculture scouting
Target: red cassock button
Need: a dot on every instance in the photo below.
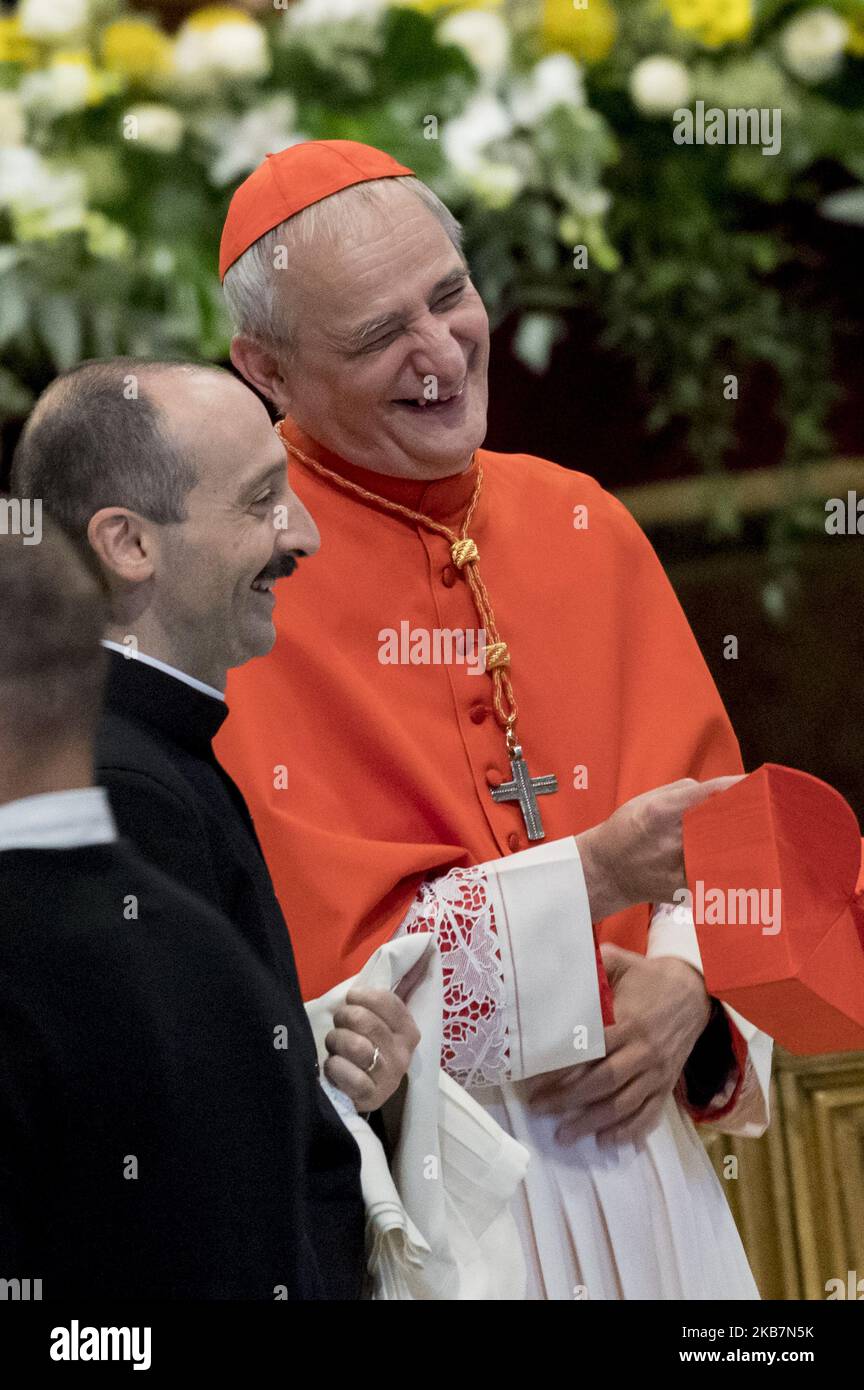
(448, 576)
(478, 714)
(494, 777)
(513, 841)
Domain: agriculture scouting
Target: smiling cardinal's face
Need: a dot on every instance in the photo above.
(392, 343)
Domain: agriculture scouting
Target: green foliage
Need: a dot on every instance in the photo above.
(578, 196)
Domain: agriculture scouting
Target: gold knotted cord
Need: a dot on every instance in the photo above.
(466, 558)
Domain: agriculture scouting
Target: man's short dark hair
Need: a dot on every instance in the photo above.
(52, 615)
(96, 438)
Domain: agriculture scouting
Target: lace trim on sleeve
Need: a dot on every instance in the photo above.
(457, 909)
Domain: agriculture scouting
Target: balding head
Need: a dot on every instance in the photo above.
(172, 480)
(100, 436)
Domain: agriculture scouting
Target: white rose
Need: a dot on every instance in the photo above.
(56, 91)
(239, 50)
(304, 14)
(44, 199)
(189, 57)
(22, 172)
(659, 85)
(496, 184)
(554, 81)
(12, 127)
(49, 21)
(232, 49)
(154, 126)
(483, 38)
(812, 44)
(464, 138)
(589, 202)
(59, 207)
(241, 144)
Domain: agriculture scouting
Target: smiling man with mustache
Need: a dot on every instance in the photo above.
(173, 484)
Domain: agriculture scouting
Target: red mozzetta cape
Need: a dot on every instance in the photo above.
(363, 777)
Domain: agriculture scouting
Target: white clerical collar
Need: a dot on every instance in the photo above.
(58, 820)
(135, 655)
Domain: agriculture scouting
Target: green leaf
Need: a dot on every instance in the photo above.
(13, 309)
(9, 257)
(58, 322)
(15, 397)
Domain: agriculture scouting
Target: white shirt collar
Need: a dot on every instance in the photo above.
(134, 655)
(58, 820)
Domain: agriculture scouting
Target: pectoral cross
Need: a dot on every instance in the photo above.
(525, 789)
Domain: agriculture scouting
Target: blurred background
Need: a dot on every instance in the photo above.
(684, 321)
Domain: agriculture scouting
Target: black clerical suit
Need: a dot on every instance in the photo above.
(178, 807)
(153, 1141)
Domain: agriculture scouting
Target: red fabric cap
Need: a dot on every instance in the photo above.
(800, 978)
(292, 180)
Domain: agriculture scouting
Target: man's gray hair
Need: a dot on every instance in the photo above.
(250, 283)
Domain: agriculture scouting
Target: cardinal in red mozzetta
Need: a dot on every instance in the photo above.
(484, 717)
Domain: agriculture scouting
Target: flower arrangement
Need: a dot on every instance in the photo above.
(547, 125)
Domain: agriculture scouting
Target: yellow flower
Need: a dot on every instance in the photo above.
(434, 6)
(713, 22)
(855, 42)
(136, 49)
(15, 47)
(214, 15)
(588, 32)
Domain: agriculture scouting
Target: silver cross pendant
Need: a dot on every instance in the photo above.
(525, 789)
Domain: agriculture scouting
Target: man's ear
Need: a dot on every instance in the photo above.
(122, 542)
(262, 369)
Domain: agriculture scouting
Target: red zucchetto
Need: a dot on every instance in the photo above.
(292, 180)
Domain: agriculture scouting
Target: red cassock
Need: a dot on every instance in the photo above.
(363, 776)
(774, 866)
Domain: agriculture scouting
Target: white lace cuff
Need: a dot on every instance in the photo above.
(457, 910)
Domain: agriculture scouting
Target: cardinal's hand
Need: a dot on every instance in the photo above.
(372, 1025)
(661, 1008)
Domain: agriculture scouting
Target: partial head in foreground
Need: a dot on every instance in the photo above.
(354, 309)
(170, 477)
(52, 613)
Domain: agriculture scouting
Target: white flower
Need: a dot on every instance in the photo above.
(483, 38)
(44, 200)
(465, 138)
(554, 81)
(304, 14)
(153, 125)
(57, 90)
(812, 44)
(12, 127)
(235, 48)
(496, 184)
(22, 171)
(239, 50)
(106, 239)
(659, 85)
(51, 21)
(241, 144)
(161, 260)
(589, 202)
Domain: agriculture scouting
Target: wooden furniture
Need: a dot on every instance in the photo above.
(798, 1197)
